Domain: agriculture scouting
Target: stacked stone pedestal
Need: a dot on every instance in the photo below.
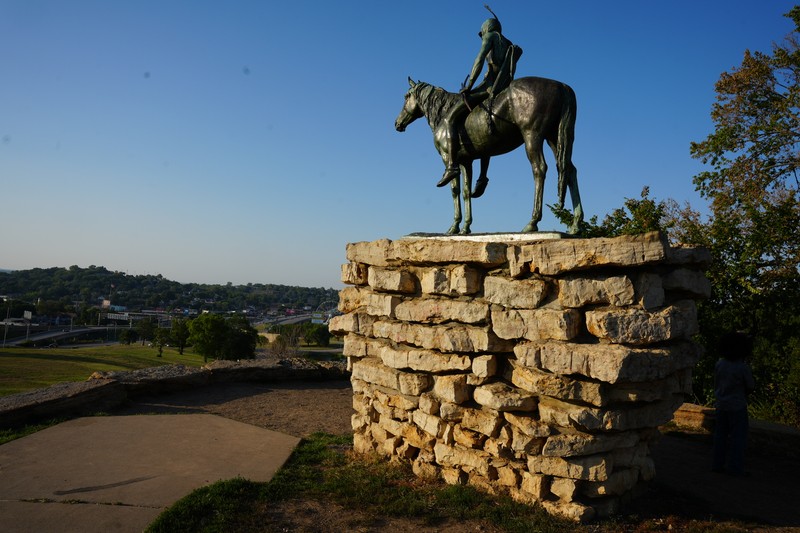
(537, 368)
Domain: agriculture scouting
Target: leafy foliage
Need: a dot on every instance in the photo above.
(753, 228)
(73, 289)
(215, 337)
(636, 216)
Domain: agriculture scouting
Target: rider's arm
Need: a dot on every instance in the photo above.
(486, 46)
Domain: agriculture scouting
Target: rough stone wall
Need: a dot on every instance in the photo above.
(537, 368)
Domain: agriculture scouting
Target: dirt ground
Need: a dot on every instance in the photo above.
(685, 489)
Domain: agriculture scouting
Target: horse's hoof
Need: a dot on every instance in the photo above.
(452, 231)
(480, 186)
(530, 228)
(465, 231)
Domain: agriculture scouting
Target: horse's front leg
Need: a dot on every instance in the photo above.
(455, 190)
(466, 172)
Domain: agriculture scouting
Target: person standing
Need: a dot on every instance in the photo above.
(733, 381)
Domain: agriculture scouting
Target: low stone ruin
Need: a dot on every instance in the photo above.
(541, 369)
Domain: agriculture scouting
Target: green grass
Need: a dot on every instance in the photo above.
(321, 469)
(23, 369)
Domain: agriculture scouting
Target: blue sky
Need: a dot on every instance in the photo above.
(250, 141)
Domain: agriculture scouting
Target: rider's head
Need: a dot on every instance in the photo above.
(490, 25)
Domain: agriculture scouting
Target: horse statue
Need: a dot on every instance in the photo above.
(530, 111)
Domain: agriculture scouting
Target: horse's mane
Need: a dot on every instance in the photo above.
(435, 101)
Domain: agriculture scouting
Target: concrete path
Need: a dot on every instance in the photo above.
(117, 473)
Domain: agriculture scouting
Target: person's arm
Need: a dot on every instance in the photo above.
(486, 46)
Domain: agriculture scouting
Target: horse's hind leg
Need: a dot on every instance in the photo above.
(533, 147)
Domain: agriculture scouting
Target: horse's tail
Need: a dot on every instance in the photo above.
(566, 135)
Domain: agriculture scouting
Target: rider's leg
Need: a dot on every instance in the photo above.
(452, 120)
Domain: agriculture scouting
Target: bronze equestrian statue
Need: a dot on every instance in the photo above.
(530, 111)
(496, 117)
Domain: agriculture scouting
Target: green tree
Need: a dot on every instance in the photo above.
(180, 333)
(146, 329)
(241, 339)
(208, 335)
(752, 231)
(317, 334)
(161, 338)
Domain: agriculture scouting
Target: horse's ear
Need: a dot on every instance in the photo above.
(411, 82)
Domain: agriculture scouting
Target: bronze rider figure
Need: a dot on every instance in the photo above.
(501, 57)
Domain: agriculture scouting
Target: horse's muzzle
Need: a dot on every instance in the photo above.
(399, 126)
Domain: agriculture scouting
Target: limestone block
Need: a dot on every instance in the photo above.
(467, 459)
(523, 445)
(456, 280)
(608, 362)
(568, 445)
(686, 254)
(452, 388)
(567, 415)
(554, 257)
(362, 443)
(528, 425)
(359, 422)
(519, 294)
(403, 357)
(355, 298)
(438, 310)
(358, 346)
(428, 403)
(617, 484)
(564, 488)
(484, 366)
(535, 485)
(392, 280)
(691, 282)
(451, 412)
(444, 250)
(483, 483)
(557, 386)
(484, 421)
(577, 512)
(502, 397)
(373, 371)
(649, 291)
(508, 476)
(651, 391)
(371, 253)
(589, 467)
(428, 423)
(536, 324)
(392, 399)
(464, 339)
(425, 470)
(354, 273)
(575, 291)
(454, 476)
(642, 416)
(639, 327)
(340, 325)
(414, 384)
(468, 438)
(411, 433)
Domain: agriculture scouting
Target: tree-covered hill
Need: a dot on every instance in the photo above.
(57, 290)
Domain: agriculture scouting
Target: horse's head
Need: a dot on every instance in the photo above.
(411, 110)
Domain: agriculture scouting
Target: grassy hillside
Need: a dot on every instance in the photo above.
(23, 369)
